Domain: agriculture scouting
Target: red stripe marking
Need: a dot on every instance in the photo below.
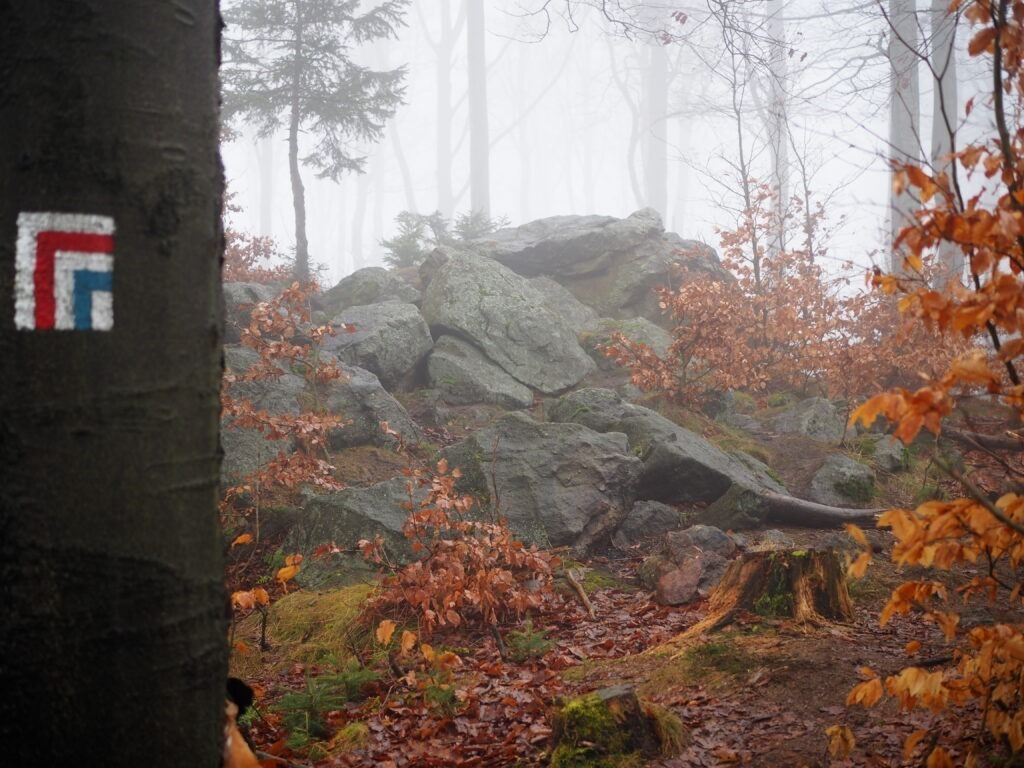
(47, 245)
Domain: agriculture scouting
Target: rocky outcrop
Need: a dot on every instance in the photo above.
(246, 449)
(365, 404)
(556, 484)
(389, 340)
(688, 564)
(560, 300)
(843, 481)
(678, 465)
(645, 519)
(345, 517)
(501, 314)
(609, 264)
(461, 374)
(370, 285)
(814, 417)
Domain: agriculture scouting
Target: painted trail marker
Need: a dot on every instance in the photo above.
(64, 272)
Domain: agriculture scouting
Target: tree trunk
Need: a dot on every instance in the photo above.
(479, 132)
(804, 585)
(904, 113)
(945, 117)
(265, 155)
(298, 199)
(112, 646)
(778, 119)
(655, 141)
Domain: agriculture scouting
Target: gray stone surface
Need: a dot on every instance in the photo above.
(344, 518)
(501, 314)
(556, 484)
(246, 449)
(560, 300)
(814, 417)
(362, 399)
(843, 482)
(461, 374)
(645, 519)
(390, 340)
(370, 285)
(706, 538)
(610, 264)
(890, 455)
(238, 298)
(678, 465)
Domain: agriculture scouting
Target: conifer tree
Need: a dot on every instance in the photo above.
(288, 65)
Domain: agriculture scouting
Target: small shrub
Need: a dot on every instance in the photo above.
(528, 643)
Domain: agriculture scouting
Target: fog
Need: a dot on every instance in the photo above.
(572, 129)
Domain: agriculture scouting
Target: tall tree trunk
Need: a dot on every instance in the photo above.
(945, 115)
(655, 141)
(904, 113)
(298, 198)
(778, 120)
(479, 132)
(298, 190)
(358, 222)
(444, 50)
(265, 153)
(112, 645)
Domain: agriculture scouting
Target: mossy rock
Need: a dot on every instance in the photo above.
(611, 728)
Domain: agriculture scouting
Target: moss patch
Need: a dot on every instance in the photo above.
(319, 626)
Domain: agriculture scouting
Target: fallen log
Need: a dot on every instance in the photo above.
(743, 507)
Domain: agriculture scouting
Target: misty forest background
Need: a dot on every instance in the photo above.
(607, 107)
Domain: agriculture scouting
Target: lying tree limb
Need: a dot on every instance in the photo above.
(794, 511)
(1007, 441)
(745, 507)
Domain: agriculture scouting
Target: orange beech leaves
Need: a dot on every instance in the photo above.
(780, 325)
(466, 571)
(982, 529)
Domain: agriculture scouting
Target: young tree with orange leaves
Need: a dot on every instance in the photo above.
(988, 228)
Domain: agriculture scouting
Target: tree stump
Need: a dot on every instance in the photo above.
(807, 586)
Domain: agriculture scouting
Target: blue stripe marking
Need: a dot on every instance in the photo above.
(87, 281)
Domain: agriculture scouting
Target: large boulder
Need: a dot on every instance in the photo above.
(645, 519)
(238, 302)
(245, 449)
(344, 518)
(501, 314)
(635, 329)
(678, 465)
(560, 300)
(609, 264)
(842, 481)
(556, 484)
(461, 374)
(389, 340)
(370, 285)
(814, 417)
(364, 402)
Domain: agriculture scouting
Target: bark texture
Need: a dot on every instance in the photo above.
(805, 585)
(113, 644)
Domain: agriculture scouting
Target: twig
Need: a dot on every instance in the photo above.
(578, 588)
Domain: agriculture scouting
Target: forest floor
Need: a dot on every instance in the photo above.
(760, 693)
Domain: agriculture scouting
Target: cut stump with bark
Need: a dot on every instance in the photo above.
(808, 586)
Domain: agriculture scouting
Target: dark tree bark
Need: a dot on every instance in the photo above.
(112, 645)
